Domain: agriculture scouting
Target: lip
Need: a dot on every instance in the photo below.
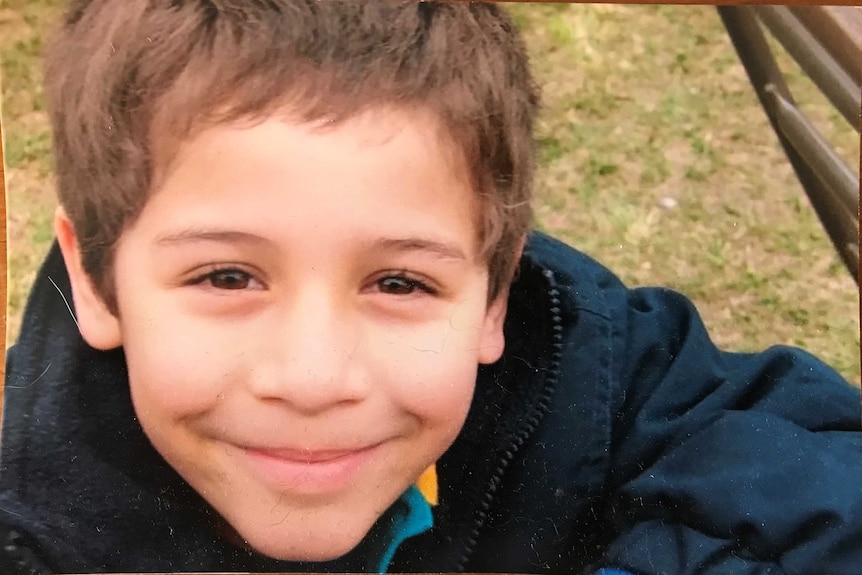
(306, 455)
(308, 472)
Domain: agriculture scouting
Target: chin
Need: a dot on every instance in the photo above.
(327, 553)
(307, 546)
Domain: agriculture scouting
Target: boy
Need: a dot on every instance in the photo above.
(309, 330)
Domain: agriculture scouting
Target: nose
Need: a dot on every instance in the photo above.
(311, 361)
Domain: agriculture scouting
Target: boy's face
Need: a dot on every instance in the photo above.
(303, 314)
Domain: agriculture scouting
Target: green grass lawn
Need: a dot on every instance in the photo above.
(655, 158)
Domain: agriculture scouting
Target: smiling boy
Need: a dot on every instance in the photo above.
(301, 358)
(288, 237)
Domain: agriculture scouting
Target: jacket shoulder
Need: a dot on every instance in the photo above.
(585, 284)
(680, 440)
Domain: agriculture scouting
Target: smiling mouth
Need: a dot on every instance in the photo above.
(307, 456)
(308, 472)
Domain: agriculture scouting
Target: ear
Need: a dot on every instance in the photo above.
(98, 326)
(493, 341)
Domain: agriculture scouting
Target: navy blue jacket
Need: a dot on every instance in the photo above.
(612, 433)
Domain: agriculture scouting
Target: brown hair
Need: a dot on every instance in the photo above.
(128, 80)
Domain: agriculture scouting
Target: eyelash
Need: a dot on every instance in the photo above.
(413, 283)
(214, 272)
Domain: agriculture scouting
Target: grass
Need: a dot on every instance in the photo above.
(655, 158)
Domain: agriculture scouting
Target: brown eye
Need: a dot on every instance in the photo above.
(397, 285)
(229, 279)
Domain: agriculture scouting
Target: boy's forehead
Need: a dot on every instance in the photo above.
(394, 143)
(368, 128)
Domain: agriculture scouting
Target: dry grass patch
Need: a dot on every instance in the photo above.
(658, 160)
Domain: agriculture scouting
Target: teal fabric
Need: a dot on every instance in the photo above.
(410, 516)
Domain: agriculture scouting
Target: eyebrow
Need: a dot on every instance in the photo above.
(442, 249)
(198, 235)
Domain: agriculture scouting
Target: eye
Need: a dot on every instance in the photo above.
(400, 284)
(227, 279)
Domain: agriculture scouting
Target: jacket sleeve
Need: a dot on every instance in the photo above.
(744, 464)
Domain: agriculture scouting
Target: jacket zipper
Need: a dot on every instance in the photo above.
(532, 423)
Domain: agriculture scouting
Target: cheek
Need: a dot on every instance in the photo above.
(431, 371)
(176, 371)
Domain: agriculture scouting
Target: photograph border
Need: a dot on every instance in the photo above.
(4, 258)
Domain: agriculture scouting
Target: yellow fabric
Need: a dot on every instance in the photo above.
(427, 485)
